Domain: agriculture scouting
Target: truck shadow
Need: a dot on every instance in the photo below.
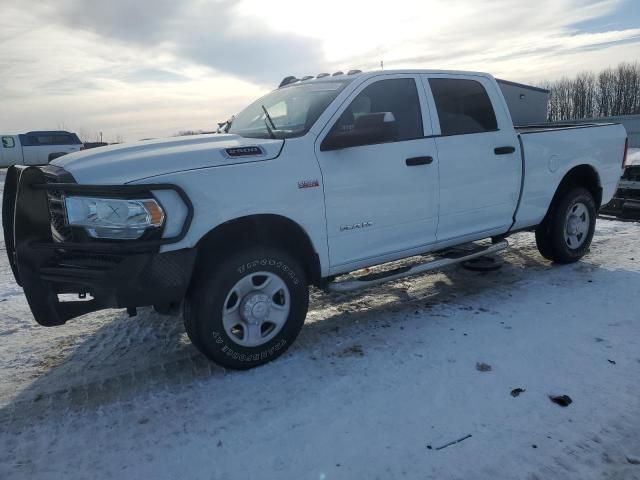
(125, 358)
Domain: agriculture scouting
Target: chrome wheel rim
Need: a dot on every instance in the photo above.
(256, 308)
(577, 225)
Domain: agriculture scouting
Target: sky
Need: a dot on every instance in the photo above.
(135, 69)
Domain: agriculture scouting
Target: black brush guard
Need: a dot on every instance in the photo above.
(118, 274)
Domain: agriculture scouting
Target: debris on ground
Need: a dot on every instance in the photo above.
(562, 400)
(483, 367)
(517, 391)
(352, 351)
(612, 362)
(451, 443)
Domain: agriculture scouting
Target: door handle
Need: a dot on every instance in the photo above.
(504, 150)
(415, 161)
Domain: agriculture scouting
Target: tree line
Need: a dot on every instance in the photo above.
(612, 92)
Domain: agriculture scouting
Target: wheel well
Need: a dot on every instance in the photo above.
(581, 176)
(268, 230)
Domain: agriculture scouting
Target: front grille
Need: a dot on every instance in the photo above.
(60, 231)
(97, 261)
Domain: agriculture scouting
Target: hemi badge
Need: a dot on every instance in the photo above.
(308, 183)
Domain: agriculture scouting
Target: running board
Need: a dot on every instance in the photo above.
(378, 278)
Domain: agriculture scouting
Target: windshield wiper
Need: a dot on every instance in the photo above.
(271, 128)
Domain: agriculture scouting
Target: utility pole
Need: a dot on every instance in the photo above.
(381, 64)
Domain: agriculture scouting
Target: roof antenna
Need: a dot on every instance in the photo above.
(381, 64)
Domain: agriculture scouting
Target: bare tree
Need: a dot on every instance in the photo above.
(612, 92)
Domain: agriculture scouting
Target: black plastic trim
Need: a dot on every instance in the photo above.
(520, 129)
(8, 212)
(415, 161)
(504, 150)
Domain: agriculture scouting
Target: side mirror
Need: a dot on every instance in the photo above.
(379, 127)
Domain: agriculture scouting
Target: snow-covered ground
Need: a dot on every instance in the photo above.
(633, 156)
(376, 383)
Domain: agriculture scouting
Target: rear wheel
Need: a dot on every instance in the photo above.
(247, 310)
(566, 233)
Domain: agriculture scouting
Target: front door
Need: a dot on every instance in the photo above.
(381, 192)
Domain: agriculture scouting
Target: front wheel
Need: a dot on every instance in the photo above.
(566, 234)
(247, 310)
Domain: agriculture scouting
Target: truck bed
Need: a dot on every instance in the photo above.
(551, 150)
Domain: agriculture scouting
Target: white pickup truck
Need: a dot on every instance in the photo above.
(321, 177)
(37, 148)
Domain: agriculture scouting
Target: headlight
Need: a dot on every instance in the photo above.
(114, 218)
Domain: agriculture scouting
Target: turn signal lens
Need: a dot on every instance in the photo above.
(156, 215)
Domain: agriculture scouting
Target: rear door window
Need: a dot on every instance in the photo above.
(43, 140)
(463, 106)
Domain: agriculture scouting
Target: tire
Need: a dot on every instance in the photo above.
(247, 310)
(566, 233)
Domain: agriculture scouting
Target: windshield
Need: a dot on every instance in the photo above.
(293, 110)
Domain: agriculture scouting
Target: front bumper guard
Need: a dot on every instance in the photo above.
(116, 274)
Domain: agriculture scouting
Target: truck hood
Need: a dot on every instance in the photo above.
(120, 164)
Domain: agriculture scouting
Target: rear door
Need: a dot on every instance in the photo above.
(479, 156)
(381, 195)
(34, 147)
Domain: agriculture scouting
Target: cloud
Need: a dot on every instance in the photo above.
(462, 34)
(208, 33)
(145, 68)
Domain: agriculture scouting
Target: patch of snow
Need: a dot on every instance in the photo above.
(376, 384)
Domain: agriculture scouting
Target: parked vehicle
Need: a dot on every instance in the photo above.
(37, 148)
(316, 179)
(626, 200)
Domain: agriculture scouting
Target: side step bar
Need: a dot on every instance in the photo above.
(378, 278)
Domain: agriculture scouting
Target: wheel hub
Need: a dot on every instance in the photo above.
(577, 225)
(572, 227)
(255, 308)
